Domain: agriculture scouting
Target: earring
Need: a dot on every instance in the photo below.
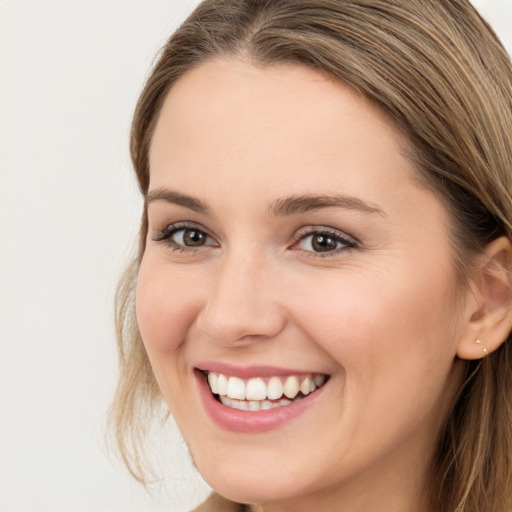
(479, 342)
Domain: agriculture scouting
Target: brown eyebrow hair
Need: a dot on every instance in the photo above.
(305, 203)
(170, 196)
(280, 207)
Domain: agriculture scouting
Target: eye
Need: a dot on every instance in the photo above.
(180, 237)
(324, 241)
(189, 237)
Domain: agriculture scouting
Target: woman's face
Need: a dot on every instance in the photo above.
(290, 249)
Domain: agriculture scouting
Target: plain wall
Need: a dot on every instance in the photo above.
(70, 73)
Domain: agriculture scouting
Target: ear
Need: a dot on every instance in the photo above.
(489, 302)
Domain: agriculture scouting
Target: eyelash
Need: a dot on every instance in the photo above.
(166, 234)
(347, 243)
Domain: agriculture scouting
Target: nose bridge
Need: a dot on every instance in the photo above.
(242, 303)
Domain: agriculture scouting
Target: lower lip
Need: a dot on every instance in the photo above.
(251, 421)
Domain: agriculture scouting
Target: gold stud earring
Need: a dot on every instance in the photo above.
(479, 342)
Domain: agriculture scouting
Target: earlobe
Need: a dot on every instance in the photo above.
(489, 307)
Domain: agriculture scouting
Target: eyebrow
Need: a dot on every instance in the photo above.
(170, 196)
(306, 203)
(279, 208)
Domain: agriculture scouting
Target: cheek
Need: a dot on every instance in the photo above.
(383, 324)
(395, 346)
(165, 309)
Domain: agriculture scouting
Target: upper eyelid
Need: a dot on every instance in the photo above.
(311, 230)
(186, 224)
(167, 231)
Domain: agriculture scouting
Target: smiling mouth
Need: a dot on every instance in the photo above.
(259, 394)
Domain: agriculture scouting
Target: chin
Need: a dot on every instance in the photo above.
(243, 486)
(250, 476)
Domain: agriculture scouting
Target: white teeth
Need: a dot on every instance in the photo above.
(222, 385)
(305, 388)
(254, 405)
(236, 388)
(319, 380)
(291, 386)
(212, 380)
(274, 388)
(226, 401)
(255, 390)
(254, 394)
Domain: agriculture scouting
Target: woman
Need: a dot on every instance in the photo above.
(322, 288)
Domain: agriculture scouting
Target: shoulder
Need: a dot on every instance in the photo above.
(216, 503)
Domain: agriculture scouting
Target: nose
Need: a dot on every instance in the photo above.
(242, 304)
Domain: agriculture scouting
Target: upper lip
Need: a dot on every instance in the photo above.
(249, 372)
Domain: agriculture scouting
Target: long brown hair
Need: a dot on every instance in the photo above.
(440, 73)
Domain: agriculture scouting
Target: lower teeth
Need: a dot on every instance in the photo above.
(256, 405)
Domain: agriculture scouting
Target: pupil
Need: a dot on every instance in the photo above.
(193, 238)
(323, 243)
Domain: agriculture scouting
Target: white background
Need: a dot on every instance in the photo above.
(70, 73)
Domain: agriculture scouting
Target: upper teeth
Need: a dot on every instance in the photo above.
(260, 389)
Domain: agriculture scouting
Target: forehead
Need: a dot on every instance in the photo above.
(236, 116)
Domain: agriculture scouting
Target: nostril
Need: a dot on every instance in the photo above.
(238, 328)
